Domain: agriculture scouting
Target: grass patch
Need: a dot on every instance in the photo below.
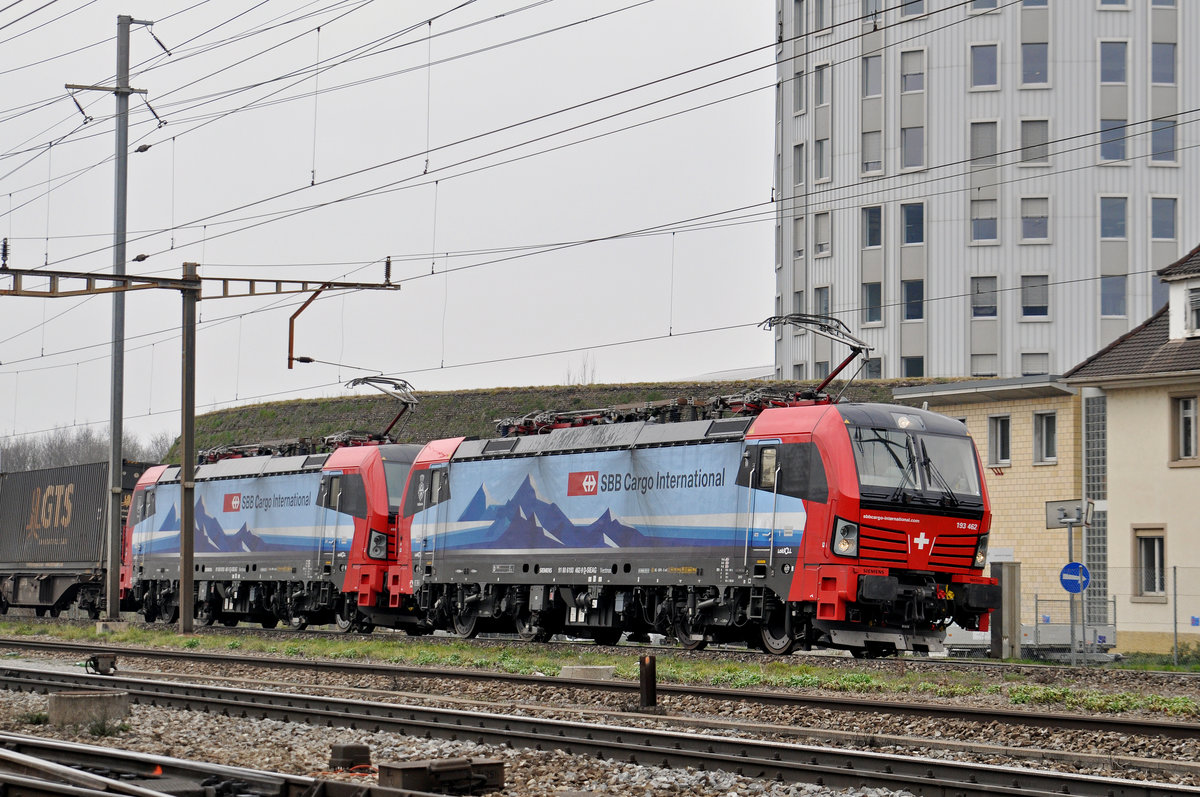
(1102, 702)
(34, 718)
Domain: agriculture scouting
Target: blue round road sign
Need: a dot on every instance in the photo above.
(1075, 577)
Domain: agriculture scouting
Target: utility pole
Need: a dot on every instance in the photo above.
(72, 283)
(117, 414)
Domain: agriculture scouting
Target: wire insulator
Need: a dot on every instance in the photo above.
(387, 268)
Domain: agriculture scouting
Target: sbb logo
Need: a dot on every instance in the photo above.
(583, 483)
(233, 502)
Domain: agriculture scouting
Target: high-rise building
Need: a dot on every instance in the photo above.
(981, 188)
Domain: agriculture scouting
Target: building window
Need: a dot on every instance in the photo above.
(984, 74)
(1164, 3)
(873, 368)
(1112, 217)
(824, 234)
(1184, 423)
(1035, 296)
(798, 372)
(912, 367)
(999, 429)
(798, 305)
(821, 92)
(984, 364)
(1162, 140)
(1035, 218)
(1034, 3)
(983, 5)
(798, 92)
(1162, 63)
(799, 230)
(821, 300)
(984, 144)
(872, 220)
(1162, 218)
(870, 7)
(1112, 139)
(821, 16)
(821, 159)
(909, 8)
(1151, 566)
(1112, 295)
(822, 369)
(872, 299)
(912, 294)
(1035, 64)
(1112, 62)
(1035, 364)
(798, 164)
(984, 226)
(912, 147)
(1045, 437)
(983, 297)
(1193, 310)
(1035, 141)
(872, 76)
(912, 219)
(872, 151)
(912, 71)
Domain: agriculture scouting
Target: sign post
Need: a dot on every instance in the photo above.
(1074, 576)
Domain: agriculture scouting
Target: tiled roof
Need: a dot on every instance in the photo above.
(1186, 266)
(1141, 351)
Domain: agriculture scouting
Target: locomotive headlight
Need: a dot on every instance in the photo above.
(981, 552)
(377, 545)
(845, 538)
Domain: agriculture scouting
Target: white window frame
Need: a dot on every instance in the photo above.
(999, 441)
(1185, 418)
(1021, 211)
(1032, 316)
(1100, 62)
(975, 205)
(1152, 540)
(1045, 447)
(817, 242)
(973, 86)
(924, 71)
(1100, 217)
(1155, 198)
(1045, 84)
(1029, 162)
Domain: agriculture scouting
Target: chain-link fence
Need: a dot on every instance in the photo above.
(1160, 608)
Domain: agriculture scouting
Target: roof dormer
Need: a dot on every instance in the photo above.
(1183, 282)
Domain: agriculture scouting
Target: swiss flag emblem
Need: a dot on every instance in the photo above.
(583, 483)
(233, 502)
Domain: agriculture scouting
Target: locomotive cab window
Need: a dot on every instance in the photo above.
(767, 468)
(149, 510)
(139, 509)
(792, 469)
(344, 493)
(426, 488)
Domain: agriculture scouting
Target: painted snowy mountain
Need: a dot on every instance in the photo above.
(529, 521)
(210, 537)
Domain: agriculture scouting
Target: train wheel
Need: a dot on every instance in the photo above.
(54, 611)
(684, 633)
(297, 622)
(607, 636)
(776, 641)
(466, 625)
(366, 628)
(529, 631)
(40, 611)
(345, 618)
(272, 623)
(205, 614)
(230, 622)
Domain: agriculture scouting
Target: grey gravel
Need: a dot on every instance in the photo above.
(301, 749)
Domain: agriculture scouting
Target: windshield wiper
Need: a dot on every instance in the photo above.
(899, 494)
(932, 470)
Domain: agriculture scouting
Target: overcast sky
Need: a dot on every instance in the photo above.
(547, 177)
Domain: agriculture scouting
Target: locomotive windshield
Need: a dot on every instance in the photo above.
(902, 465)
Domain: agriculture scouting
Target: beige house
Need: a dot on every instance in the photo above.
(1028, 432)
(1148, 382)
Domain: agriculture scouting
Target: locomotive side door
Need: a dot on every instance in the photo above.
(758, 478)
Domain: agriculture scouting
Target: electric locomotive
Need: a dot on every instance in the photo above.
(776, 521)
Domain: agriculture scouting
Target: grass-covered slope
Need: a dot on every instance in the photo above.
(470, 413)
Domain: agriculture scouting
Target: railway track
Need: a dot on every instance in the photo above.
(772, 760)
(35, 767)
(1059, 721)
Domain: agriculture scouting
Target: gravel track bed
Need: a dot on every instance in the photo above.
(305, 750)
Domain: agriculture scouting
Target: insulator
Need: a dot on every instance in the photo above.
(387, 270)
